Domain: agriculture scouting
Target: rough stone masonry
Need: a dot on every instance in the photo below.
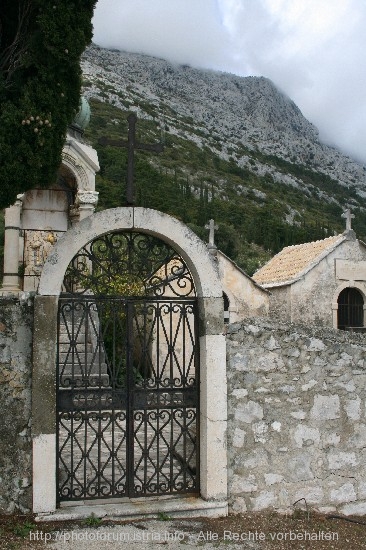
(297, 426)
(16, 332)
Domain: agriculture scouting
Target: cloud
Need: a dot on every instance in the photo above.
(311, 49)
(183, 31)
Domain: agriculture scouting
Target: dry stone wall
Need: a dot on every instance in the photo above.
(16, 329)
(296, 424)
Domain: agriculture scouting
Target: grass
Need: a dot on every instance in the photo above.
(23, 530)
(93, 521)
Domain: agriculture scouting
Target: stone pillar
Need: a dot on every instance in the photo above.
(213, 400)
(44, 404)
(11, 250)
(335, 314)
(86, 202)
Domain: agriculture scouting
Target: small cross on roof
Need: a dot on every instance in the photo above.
(349, 216)
(211, 226)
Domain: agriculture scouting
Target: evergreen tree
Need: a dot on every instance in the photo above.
(41, 42)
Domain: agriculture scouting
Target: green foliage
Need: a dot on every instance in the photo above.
(40, 81)
(162, 516)
(24, 529)
(93, 521)
(103, 281)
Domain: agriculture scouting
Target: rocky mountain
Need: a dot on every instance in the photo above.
(231, 115)
(236, 149)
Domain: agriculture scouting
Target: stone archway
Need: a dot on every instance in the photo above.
(213, 395)
(350, 309)
(358, 286)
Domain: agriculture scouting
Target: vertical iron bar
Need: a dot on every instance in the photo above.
(184, 406)
(85, 401)
(130, 436)
(197, 386)
(113, 384)
(145, 412)
(58, 419)
(72, 394)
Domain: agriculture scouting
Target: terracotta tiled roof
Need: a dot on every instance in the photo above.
(289, 264)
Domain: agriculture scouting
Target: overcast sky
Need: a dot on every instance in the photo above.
(313, 50)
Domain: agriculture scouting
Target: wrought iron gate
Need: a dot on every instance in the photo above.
(127, 372)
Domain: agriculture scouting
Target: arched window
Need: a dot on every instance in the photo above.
(350, 309)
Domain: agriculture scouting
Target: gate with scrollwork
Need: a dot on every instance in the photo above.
(127, 372)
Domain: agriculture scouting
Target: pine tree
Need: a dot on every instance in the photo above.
(41, 42)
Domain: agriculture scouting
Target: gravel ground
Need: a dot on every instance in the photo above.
(268, 531)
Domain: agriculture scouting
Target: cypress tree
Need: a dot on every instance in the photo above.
(41, 42)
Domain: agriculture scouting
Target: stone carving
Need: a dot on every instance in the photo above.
(87, 197)
(38, 245)
(78, 170)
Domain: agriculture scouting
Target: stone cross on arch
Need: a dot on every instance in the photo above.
(131, 144)
(349, 216)
(212, 227)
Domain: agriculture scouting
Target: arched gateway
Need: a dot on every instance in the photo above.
(134, 303)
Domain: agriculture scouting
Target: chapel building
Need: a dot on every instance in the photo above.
(319, 283)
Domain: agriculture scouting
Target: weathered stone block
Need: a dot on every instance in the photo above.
(238, 438)
(356, 508)
(264, 500)
(248, 412)
(345, 493)
(211, 319)
(338, 460)
(299, 415)
(314, 344)
(362, 490)
(240, 484)
(326, 407)
(306, 435)
(271, 479)
(269, 362)
(239, 393)
(260, 429)
(239, 505)
(312, 494)
(353, 408)
(271, 344)
(331, 439)
(276, 426)
(358, 438)
(257, 459)
(299, 468)
(309, 385)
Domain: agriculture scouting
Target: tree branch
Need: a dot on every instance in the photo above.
(11, 55)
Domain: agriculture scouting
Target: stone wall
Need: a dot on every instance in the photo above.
(16, 328)
(297, 426)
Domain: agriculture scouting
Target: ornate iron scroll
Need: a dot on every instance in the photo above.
(131, 264)
(127, 372)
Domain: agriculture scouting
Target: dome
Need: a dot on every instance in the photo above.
(82, 119)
